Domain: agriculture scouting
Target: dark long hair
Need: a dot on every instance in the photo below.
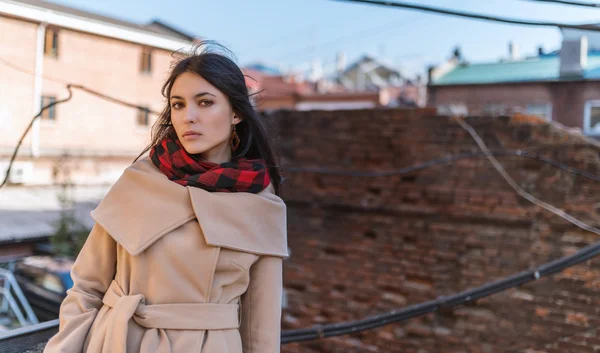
(223, 73)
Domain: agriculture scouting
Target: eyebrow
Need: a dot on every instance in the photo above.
(196, 96)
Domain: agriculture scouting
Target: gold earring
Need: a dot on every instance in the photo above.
(235, 140)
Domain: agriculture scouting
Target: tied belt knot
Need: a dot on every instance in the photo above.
(159, 317)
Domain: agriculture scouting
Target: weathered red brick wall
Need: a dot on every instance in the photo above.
(365, 245)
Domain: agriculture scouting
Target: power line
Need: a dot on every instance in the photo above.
(419, 309)
(443, 161)
(566, 2)
(14, 155)
(518, 189)
(472, 15)
(443, 302)
(28, 72)
(433, 162)
(68, 86)
(467, 296)
(77, 86)
(24, 337)
(363, 33)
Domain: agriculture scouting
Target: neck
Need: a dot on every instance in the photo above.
(219, 154)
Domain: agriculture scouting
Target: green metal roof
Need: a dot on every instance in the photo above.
(541, 68)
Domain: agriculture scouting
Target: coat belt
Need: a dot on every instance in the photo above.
(193, 316)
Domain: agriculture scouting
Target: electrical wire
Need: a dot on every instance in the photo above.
(443, 302)
(518, 187)
(433, 162)
(378, 30)
(77, 86)
(438, 10)
(68, 86)
(28, 72)
(442, 161)
(14, 155)
(394, 316)
(566, 2)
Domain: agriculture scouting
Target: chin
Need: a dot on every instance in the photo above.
(193, 148)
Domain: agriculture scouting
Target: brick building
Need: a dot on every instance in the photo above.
(563, 86)
(41, 42)
(277, 91)
(364, 84)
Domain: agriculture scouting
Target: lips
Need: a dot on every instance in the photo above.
(191, 133)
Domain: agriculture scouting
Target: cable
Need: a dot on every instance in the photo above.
(473, 15)
(443, 302)
(395, 316)
(442, 161)
(14, 155)
(28, 72)
(517, 187)
(433, 162)
(565, 2)
(363, 33)
(69, 86)
(468, 295)
(77, 86)
(114, 100)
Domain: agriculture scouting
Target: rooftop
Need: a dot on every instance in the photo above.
(156, 33)
(539, 68)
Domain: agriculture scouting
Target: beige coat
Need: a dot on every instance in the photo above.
(168, 268)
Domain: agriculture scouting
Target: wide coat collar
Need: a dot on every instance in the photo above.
(144, 205)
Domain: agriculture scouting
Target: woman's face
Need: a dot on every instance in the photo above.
(202, 117)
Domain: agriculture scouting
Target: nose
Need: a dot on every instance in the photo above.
(191, 114)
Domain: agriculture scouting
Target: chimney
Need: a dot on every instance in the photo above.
(316, 72)
(573, 57)
(340, 62)
(540, 50)
(513, 51)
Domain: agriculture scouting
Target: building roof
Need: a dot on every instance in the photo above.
(155, 33)
(540, 68)
(265, 69)
(366, 59)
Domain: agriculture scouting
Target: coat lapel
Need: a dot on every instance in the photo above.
(144, 205)
(242, 221)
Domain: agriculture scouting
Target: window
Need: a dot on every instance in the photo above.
(143, 116)
(49, 114)
(51, 42)
(494, 109)
(542, 110)
(591, 118)
(146, 64)
(453, 109)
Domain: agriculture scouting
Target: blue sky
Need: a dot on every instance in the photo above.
(293, 33)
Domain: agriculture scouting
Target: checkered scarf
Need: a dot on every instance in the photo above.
(239, 175)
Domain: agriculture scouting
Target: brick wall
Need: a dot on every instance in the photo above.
(365, 245)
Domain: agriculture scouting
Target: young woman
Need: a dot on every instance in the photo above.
(186, 253)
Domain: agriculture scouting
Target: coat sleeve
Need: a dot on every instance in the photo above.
(260, 326)
(92, 273)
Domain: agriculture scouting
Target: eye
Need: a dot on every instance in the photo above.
(175, 105)
(208, 103)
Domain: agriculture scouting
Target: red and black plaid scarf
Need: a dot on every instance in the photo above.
(239, 175)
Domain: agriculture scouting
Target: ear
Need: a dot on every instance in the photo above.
(236, 119)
